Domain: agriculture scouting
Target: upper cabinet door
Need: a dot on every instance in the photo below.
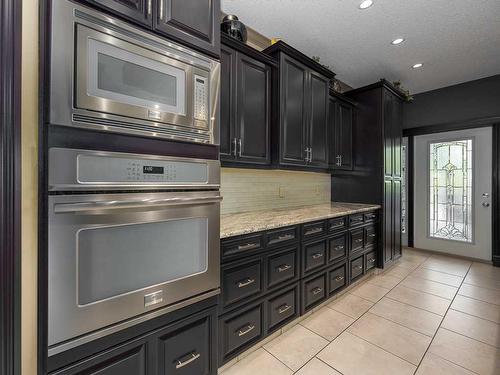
(253, 110)
(388, 134)
(139, 11)
(318, 126)
(193, 22)
(228, 139)
(293, 115)
(397, 119)
(345, 119)
(333, 134)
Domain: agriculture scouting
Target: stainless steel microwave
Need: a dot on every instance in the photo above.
(108, 75)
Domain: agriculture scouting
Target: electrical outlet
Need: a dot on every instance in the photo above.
(281, 192)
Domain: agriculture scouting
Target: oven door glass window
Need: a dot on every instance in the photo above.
(122, 76)
(117, 260)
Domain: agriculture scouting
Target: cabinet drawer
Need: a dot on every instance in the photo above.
(187, 350)
(282, 266)
(281, 308)
(240, 330)
(370, 235)
(337, 247)
(357, 240)
(371, 216)
(337, 278)
(356, 219)
(314, 291)
(371, 259)
(313, 229)
(282, 236)
(356, 267)
(337, 224)
(314, 255)
(241, 281)
(242, 246)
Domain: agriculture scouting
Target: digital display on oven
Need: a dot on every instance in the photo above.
(148, 169)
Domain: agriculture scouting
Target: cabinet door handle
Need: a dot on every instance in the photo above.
(284, 308)
(149, 7)
(244, 283)
(371, 260)
(358, 267)
(339, 278)
(310, 154)
(161, 9)
(242, 332)
(317, 256)
(239, 150)
(338, 225)
(283, 267)
(248, 246)
(307, 154)
(193, 357)
(372, 235)
(358, 240)
(341, 247)
(314, 230)
(235, 147)
(280, 238)
(340, 161)
(316, 291)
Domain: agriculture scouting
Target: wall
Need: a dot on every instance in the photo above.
(29, 170)
(258, 189)
(454, 104)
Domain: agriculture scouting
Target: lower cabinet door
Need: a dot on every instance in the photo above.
(357, 267)
(241, 280)
(338, 247)
(371, 259)
(186, 350)
(281, 308)
(239, 330)
(313, 291)
(338, 278)
(282, 267)
(314, 255)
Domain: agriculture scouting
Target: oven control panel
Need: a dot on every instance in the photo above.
(200, 98)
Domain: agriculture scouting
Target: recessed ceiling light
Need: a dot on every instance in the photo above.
(365, 4)
(418, 65)
(397, 41)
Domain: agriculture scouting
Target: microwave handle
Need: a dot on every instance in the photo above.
(108, 205)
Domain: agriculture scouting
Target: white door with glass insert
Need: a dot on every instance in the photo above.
(452, 201)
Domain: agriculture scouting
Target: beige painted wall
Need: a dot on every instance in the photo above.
(258, 189)
(29, 170)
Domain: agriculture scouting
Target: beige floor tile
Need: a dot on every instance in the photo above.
(481, 294)
(420, 299)
(259, 362)
(428, 286)
(439, 277)
(406, 263)
(485, 270)
(434, 365)
(395, 338)
(316, 367)
(473, 327)
(452, 266)
(483, 282)
(351, 305)
(474, 307)
(385, 281)
(370, 292)
(398, 271)
(466, 352)
(414, 257)
(327, 323)
(417, 319)
(296, 347)
(352, 355)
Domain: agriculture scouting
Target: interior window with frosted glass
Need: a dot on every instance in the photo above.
(450, 196)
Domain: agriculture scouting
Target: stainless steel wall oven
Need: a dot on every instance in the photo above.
(130, 237)
(108, 75)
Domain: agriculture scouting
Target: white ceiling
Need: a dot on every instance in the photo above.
(457, 40)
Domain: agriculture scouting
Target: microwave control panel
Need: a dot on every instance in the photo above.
(105, 169)
(200, 98)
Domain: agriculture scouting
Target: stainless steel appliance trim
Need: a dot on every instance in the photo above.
(63, 171)
(129, 323)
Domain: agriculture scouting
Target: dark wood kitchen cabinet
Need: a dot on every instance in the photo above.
(245, 110)
(300, 109)
(376, 174)
(194, 23)
(340, 132)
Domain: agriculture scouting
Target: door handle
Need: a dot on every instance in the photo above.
(239, 150)
(316, 291)
(317, 256)
(242, 332)
(284, 308)
(235, 147)
(244, 283)
(284, 267)
(193, 357)
(486, 204)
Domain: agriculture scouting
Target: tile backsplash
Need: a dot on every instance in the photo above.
(258, 189)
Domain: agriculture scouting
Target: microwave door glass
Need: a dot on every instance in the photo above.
(125, 77)
(117, 260)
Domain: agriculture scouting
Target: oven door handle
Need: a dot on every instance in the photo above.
(124, 204)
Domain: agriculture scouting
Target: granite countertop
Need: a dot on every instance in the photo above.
(256, 221)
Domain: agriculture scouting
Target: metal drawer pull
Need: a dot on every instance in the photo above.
(371, 260)
(372, 235)
(317, 256)
(358, 267)
(341, 247)
(317, 291)
(283, 237)
(314, 230)
(339, 278)
(248, 246)
(284, 267)
(338, 225)
(359, 240)
(194, 357)
(249, 329)
(247, 282)
(284, 308)
(372, 216)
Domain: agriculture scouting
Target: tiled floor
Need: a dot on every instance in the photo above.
(429, 314)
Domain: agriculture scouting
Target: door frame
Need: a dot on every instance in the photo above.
(10, 191)
(494, 122)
